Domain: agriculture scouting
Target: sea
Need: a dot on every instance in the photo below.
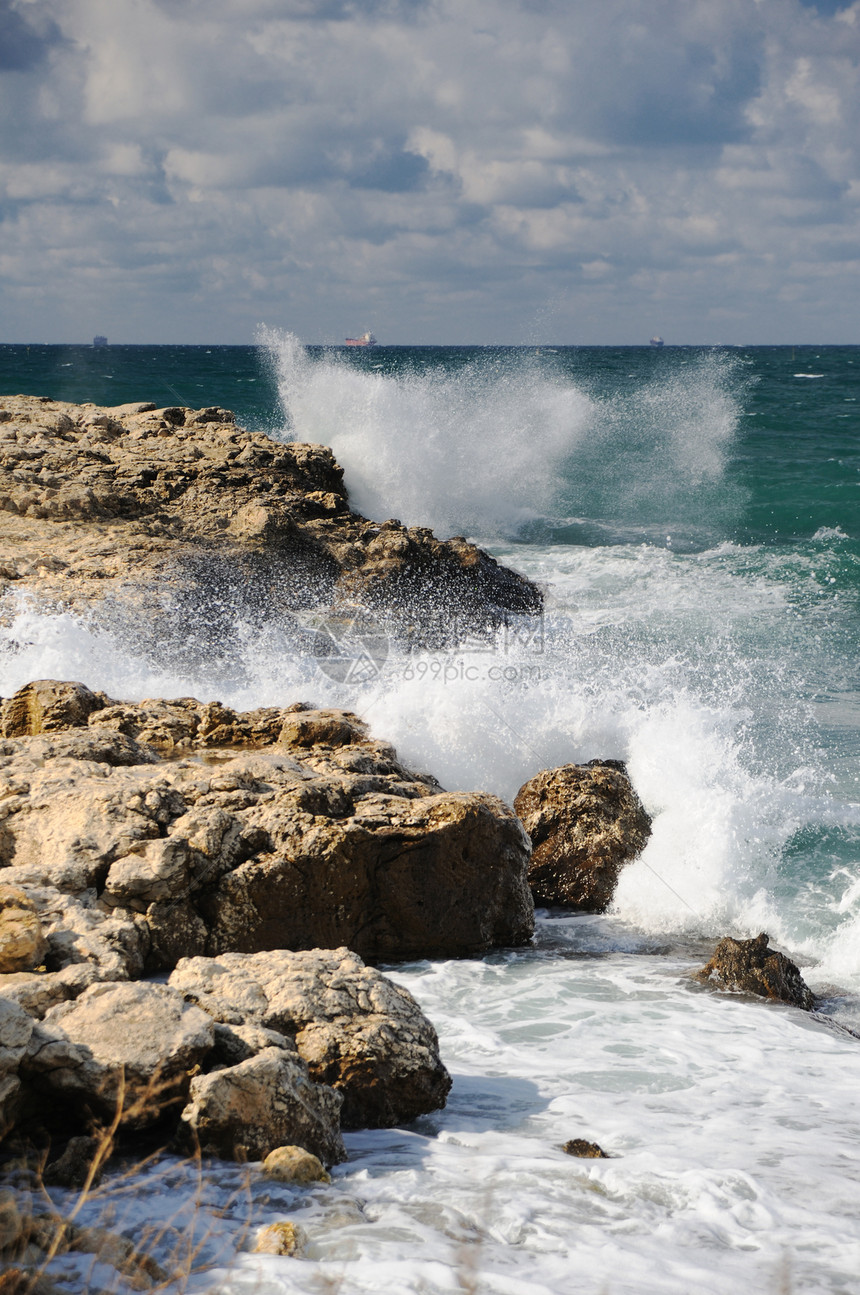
(693, 518)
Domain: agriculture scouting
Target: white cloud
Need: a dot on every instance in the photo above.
(664, 165)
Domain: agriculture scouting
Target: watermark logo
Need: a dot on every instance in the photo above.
(350, 646)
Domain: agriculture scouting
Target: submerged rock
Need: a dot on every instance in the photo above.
(283, 1238)
(175, 520)
(163, 830)
(752, 967)
(585, 822)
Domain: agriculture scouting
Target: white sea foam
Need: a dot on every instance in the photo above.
(507, 438)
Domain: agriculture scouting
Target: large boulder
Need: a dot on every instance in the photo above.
(585, 822)
(298, 831)
(159, 515)
(752, 967)
(355, 1029)
(131, 1048)
(244, 1112)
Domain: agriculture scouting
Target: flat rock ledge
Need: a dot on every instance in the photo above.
(585, 822)
(175, 520)
(752, 967)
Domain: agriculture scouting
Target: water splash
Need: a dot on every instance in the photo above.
(512, 443)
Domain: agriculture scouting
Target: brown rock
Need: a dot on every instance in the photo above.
(585, 822)
(752, 967)
(294, 1165)
(244, 1112)
(355, 1029)
(301, 832)
(22, 943)
(46, 706)
(584, 1150)
(129, 1045)
(282, 1238)
(79, 1165)
(154, 514)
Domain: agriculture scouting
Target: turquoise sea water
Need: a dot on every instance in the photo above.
(694, 518)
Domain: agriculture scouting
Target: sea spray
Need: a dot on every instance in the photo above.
(511, 442)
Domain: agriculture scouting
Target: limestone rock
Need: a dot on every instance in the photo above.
(585, 822)
(22, 943)
(752, 967)
(38, 992)
(243, 1112)
(294, 1165)
(148, 513)
(47, 705)
(297, 831)
(130, 1044)
(357, 1031)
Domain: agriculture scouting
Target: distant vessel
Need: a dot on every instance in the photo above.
(656, 341)
(366, 339)
(98, 340)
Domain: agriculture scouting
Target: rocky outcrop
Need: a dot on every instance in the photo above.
(159, 515)
(752, 967)
(585, 823)
(359, 1033)
(139, 836)
(296, 830)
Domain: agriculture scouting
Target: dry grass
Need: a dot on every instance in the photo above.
(162, 1257)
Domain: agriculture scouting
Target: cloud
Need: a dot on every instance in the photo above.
(446, 168)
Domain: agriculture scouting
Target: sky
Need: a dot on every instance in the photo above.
(436, 171)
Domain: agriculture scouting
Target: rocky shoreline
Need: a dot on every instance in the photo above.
(174, 521)
(193, 898)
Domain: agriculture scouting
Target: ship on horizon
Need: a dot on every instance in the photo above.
(366, 339)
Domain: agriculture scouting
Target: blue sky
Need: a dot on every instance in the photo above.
(516, 171)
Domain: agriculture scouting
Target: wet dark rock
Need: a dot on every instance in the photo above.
(585, 823)
(752, 967)
(584, 1150)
